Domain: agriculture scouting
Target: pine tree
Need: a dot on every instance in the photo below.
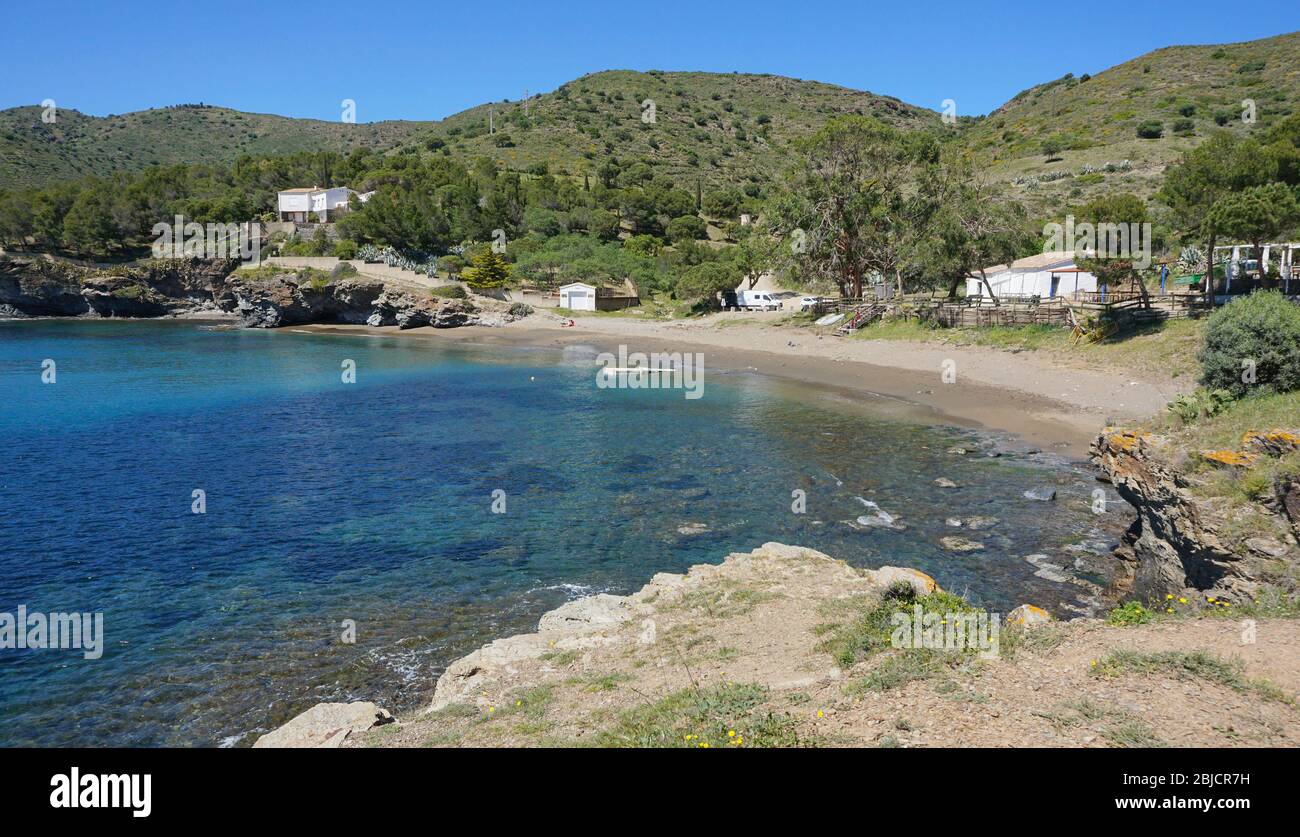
(488, 270)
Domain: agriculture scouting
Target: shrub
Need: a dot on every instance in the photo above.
(1151, 129)
(1191, 407)
(520, 309)
(1261, 330)
(1184, 127)
(341, 270)
(448, 292)
(345, 249)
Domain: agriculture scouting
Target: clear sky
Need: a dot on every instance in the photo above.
(406, 59)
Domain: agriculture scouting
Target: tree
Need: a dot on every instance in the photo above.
(1256, 215)
(686, 228)
(964, 224)
(1116, 212)
(1051, 148)
(706, 280)
(89, 227)
(453, 264)
(15, 219)
(488, 270)
(1222, 164)
(844, 212)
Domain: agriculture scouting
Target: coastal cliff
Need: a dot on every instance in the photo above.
(42, 287)
(1184, 541)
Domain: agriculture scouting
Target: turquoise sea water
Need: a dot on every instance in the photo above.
(372, 502)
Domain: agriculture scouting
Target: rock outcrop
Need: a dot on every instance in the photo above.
(602, 620)
(37, 286)
(1180, 542)
(325, 725)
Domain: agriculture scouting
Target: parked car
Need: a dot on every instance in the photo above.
(807, 303)
(758, 301)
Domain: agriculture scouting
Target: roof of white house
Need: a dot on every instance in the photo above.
(578, 285)
(1040, 261)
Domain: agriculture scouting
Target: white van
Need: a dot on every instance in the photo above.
(757, 301)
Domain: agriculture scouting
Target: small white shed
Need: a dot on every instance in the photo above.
(578, 296)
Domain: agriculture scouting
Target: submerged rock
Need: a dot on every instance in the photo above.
(952, 543)
(1042, 494)
(944, 482)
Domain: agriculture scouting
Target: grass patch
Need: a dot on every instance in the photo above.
(532, 702)
(1189, 665)
(1130, 613)
(560, 658)
(723, 600)
(1164, 349)
(912, 665)
(1223, 431)
(1132, 733)
(599, 683)
(733, 715)
(870, 625)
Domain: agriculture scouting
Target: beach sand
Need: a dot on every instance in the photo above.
(1047, 405)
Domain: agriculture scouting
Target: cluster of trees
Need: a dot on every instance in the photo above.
(862, 202)
(1236, 187)
(115, 216)
(622, 221)
(866, 202)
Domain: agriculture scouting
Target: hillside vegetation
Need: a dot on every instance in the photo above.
(719, 128)
(1183, 92)
(75, 145)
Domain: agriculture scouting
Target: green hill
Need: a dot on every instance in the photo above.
(727, 129)
(35, 153)
(1187, 92)
(719, 128)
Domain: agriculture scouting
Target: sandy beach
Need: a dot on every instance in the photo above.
(1046, 404)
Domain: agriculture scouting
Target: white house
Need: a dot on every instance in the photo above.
(301, 204)
(578, 296)
(1045, 275)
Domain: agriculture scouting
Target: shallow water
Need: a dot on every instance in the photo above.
(372, 502)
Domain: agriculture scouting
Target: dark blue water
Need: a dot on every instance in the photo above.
(372, 502)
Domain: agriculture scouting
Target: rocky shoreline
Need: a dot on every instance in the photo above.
(1182, 544)
(1180, 547)
(743, 653)
(159, 288)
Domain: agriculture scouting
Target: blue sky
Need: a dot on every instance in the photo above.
(425, 60)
